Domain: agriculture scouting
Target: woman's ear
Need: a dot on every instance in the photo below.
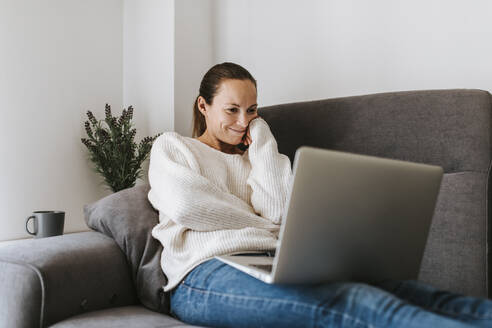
(201, 106)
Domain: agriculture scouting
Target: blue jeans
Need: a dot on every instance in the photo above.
(215, 294)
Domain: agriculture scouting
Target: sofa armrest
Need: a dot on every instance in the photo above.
(43, 281)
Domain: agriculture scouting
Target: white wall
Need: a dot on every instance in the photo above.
(193, 57)
(148, 80)
(58, 59)
(321, 49)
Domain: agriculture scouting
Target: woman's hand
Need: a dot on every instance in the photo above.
(247, 136)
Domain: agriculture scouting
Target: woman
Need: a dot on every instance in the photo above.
(223, 192)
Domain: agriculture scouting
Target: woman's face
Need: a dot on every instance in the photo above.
(232, 108)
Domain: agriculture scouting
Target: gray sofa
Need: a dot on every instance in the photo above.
(84, 279)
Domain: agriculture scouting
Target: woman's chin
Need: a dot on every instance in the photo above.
(234, 140)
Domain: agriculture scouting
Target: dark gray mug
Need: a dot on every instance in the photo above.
(46, 223)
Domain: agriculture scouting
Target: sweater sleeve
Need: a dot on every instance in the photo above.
(271, 172)
(186, 197)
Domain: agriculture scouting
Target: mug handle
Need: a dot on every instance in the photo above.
(27, 228)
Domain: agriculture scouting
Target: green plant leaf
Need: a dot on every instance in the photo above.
(112, 149)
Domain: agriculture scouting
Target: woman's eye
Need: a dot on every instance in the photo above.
(234, 110)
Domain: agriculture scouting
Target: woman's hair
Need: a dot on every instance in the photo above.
(210, 84)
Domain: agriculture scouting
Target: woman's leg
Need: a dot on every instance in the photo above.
(217, 295)
(477, 311)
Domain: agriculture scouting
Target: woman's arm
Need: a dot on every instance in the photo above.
(271, 172)
(190, 199)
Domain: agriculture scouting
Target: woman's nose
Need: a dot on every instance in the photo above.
(243, 121)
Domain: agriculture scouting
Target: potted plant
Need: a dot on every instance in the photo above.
(113, 150)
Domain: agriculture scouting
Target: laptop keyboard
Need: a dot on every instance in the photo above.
(266, 267)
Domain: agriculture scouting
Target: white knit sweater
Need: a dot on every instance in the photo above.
(213, 203)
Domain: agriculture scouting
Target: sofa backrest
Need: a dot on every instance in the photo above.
(449, 128)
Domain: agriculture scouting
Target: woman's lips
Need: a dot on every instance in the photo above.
(237, 131)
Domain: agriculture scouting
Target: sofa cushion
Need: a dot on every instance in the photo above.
(128, 217)
(127, 316)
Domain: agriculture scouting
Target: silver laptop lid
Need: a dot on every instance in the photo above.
(355, 217)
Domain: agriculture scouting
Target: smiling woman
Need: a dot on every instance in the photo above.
(225, 107)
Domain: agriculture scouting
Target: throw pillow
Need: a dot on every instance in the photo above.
(128, 217)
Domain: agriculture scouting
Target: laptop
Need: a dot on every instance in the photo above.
(349, 217)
